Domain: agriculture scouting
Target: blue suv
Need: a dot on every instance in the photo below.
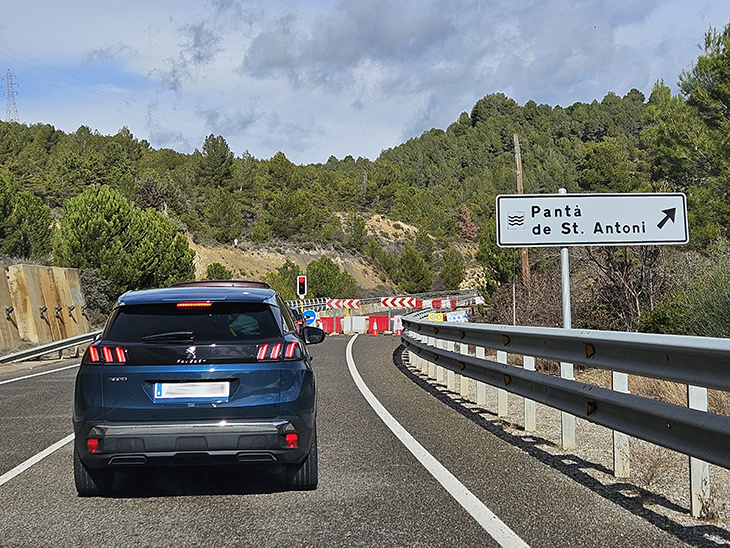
(197, 373)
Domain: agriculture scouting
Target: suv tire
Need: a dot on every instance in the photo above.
(305, 476)
(91, 482)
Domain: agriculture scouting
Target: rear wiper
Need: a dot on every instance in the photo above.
(172, 336)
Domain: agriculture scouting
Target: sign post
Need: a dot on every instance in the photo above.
(567, 421)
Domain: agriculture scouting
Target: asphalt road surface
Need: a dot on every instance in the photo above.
(372, 490)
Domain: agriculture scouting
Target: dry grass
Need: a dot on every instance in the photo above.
(655, 389)
(652, 465)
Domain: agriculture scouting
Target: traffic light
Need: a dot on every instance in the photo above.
(301, 286)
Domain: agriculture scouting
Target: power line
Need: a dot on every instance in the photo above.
(11, 109)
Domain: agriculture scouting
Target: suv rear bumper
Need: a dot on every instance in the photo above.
(188, 443)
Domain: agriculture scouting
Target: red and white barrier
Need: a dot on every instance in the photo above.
(343, 303)
(398, 302)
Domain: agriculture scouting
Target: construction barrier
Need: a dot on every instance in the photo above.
(354, 324)
(378, 324)
(332, 324)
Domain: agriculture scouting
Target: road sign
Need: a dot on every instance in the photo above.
(398, 302)
(310, 316)
(560, 220)
(343, 303)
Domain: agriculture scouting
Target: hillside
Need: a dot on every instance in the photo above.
(253, 262)
(247, 260)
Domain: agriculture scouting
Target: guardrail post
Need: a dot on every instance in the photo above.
(464, 385)
(528, 362)
(430, 341)
(567, 421)
(421, 361)
(621, 467)
(440, 377)
(431, 365)
(481, 387)
(699, 471)
(501, 392)
(450, 375)
(413, 358)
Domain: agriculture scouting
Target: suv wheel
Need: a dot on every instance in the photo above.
(91, 482)
(304, 476)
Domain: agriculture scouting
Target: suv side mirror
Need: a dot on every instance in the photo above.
(313, 335)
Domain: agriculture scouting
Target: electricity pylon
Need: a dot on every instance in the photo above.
(11, 110)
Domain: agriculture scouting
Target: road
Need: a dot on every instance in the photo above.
(372, 492)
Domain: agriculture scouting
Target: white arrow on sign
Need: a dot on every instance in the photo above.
(559, 220)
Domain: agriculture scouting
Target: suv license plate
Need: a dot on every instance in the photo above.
(191, 390)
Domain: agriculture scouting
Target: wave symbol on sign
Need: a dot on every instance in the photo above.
(516, 220)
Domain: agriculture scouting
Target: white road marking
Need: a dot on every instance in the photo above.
(476, 508)
(39, 374)
(22, 467)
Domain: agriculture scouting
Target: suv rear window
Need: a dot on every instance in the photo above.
(217, 323)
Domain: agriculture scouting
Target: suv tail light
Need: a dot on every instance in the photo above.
(274, 352)
(108, 354)
(292, 351)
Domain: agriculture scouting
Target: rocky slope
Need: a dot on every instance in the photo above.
(253, 261)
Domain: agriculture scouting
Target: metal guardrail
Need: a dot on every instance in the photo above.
(56, 346)
(699, 361)
(309, 304)
(694, 361)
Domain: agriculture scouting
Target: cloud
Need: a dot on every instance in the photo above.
(236, 12)
(225, 122)
(320, 77)
(326, 53)
(175, 73)
(202, 43)
(116, 52)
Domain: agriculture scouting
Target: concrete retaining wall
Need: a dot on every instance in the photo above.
(47, 303)
(9, 335)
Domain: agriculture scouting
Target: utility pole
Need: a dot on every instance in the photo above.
(11, 110)
(521, 190)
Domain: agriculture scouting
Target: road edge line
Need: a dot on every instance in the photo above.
(7, 381)
(22, 467)
(489, 521)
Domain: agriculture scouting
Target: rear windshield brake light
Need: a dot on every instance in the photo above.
(203, 304)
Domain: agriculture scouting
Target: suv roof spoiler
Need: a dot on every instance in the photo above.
(223, 283)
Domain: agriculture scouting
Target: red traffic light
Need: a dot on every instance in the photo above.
(301, 286)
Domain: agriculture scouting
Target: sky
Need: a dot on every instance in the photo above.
(322, 78)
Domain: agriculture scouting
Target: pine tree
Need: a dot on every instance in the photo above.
(414, 274)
